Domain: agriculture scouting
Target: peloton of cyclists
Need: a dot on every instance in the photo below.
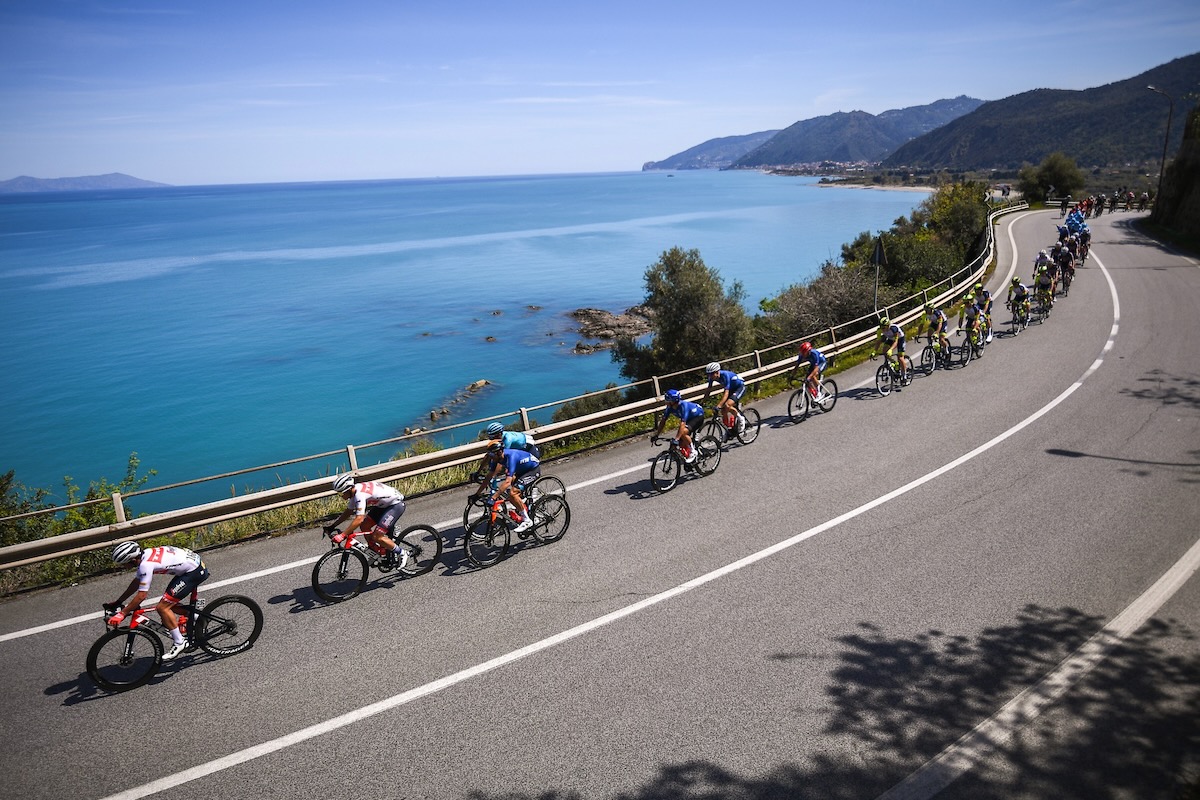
(691, 417)
(889, 340)
(373, 508)
(188, 571)
(732, 389)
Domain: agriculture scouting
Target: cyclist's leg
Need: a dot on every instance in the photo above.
(684, 435)
(385, 522)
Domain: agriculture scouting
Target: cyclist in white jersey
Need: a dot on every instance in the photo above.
(375, 507)
(189, 572)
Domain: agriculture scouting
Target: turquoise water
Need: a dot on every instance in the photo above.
(211, 329)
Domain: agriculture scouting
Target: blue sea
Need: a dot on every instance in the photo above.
(216, 328)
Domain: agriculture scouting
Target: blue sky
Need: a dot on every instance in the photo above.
(262, 91)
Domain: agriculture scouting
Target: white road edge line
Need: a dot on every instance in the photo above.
(404, 698)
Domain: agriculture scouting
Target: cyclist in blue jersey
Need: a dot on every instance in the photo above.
(691, 417)
(514, 471)
(816, 362)
(732, 386)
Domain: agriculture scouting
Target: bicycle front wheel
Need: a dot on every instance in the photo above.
(715, 429)
(883, 380)
(798, 404)
(229, 625)
(928, 360)
(708, 455)
(124, 659)
(485, 543)
(475, 509)
(551, 517)
(753, 421)
(664, 472)
(964, 353)
(339, 575)
(424, 545)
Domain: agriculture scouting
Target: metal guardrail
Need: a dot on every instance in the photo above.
(209, 513)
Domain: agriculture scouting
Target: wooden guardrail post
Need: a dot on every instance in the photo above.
(119, 507)
(524, 419)
(657, 388)
(352, 458)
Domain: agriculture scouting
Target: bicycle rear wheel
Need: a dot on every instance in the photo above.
(486, 543)
(716, 430)
(229, 625)
(551, 517)
(547, 484)
(798, 404)
(829, 400)
(883, 380)
(124, 659)
(424, 546)
(665, 470)
(753, 421)
(708, 455)
(339, 575)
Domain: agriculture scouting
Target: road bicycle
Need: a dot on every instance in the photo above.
(935, 355)
(489, 537)
(723, 426)
(1020, 317)
(1068, 275)
(890, 377)
(669, 466)
(477, 503)
(129, 655)
(802, 402)
(973, 345)
(1041, 307)
(341, 573)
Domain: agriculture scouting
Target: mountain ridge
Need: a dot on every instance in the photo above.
(112, 180)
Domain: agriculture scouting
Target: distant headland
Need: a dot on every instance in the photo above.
(113, 180)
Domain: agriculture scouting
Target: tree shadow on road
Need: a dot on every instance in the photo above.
(1133, 722)
(1169, 390)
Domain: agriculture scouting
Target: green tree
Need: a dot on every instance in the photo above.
(696, 319)
(16, 499)
(1058, 172)
(94, 516)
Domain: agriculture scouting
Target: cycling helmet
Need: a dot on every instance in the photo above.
(1042, 253)
(979, 288)
(126, 552)
(1015, 280)
(805, 347)
(929, 308)
(883, 323)
(343, 483)
(713, 366)
(495, 446)
(672, 396)
(494, 430)
(969, 299)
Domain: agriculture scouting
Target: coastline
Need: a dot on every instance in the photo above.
(844, 185)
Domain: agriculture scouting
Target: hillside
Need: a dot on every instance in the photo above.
(113, 180)
(1116, 124)
(854, 136)
(713, 154)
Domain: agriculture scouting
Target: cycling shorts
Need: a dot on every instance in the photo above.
(385, 518)
(183, 585)
(522, 480)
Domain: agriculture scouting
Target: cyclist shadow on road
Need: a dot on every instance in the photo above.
(82, 689)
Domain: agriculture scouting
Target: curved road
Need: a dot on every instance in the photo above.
(978, 587)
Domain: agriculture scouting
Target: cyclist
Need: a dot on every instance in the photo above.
(936, 323)
(1066, 258)
(375, 509)
(983, 299)
(816, 361)
(1040, 260)
(189, 572)
(1043, 282)
(733, 387)
(971, 313)
(1018, 296)
(514, 471)
(892, 336)
(691, 417)
(511, 440)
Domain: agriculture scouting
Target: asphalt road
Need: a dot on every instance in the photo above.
(833, 610)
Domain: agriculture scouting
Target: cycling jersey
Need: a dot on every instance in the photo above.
(686, 411)
(1045, 280)
(372, 495)
(514, 440)
(1018, 292)
(971, 312)
(519, 462)
(730, 382)
(165, 560)
(815, 358)
(984, 300)
(891, 334)
(937, 320)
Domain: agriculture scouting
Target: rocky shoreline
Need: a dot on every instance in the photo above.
(596, 323)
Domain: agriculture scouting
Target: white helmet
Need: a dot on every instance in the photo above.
(126, 552)
(343, 483)
(712, 367)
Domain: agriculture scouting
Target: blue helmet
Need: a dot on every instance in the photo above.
(672, 396)
(494, 430)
